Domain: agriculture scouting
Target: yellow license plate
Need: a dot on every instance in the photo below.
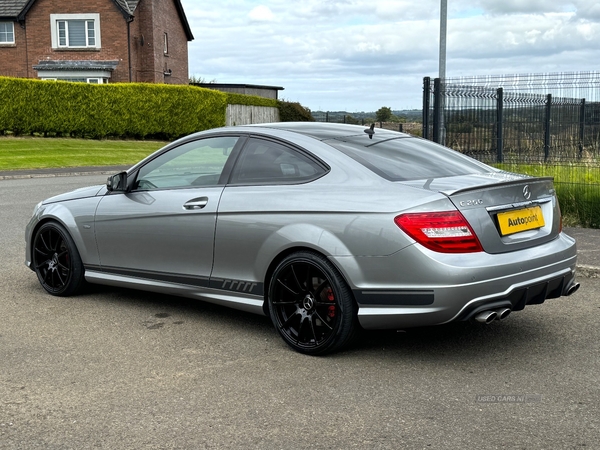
(520, 220)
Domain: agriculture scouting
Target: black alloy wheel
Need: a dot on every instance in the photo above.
(311, 305)
(56, 260)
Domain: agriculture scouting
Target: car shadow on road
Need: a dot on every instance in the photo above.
(518, 335)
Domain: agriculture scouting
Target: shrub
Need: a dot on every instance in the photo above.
(294, 112)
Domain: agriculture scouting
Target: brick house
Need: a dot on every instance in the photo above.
(96, 41)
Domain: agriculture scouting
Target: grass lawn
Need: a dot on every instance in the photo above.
(21, 153)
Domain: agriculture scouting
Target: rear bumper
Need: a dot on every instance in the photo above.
(516, 297)
(418, 287)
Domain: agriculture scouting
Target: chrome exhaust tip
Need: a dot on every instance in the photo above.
(486, 316)
(571, 289)
(503, 313)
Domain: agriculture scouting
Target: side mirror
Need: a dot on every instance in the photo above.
(117, 182)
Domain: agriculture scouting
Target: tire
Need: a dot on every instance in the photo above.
(56, 260)
(311, 305)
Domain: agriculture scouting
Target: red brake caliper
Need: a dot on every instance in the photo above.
(331, 298)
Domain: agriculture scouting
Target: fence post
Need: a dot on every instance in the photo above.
(327, 116)
(547, 142)
(400, 129)
(500, 125)
(581, 127)
(437, 110)
(426, 105)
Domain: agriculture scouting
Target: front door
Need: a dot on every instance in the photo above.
(164, 228)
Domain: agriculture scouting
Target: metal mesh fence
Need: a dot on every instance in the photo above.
(541, 124)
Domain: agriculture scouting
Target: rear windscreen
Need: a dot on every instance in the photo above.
(405, 159)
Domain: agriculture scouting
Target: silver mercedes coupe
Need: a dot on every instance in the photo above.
(325, 228)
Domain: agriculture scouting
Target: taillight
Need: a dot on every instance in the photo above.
(560, 223)
(445, 232)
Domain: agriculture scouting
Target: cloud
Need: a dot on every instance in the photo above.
(588, 11)
(261, 13)
(522, 6)
(330, 54)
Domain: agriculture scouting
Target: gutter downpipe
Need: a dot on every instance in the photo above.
(129, 20)
(21, 21)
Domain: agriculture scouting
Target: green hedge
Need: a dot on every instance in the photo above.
(294, 112)
(126, 110)
(250, 100)
(288, 111)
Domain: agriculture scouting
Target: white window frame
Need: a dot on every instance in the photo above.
(55, 19)
(89, 80)
(166, 44)
(7, 32)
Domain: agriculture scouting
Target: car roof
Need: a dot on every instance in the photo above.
(325, 131)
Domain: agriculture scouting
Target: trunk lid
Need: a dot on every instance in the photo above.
(506, 211)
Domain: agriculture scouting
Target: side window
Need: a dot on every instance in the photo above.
(196, 163)
(267, 162)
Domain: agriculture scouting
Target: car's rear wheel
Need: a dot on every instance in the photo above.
(56, 260)
(311, 305)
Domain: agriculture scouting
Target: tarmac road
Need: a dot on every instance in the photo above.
(120, 369)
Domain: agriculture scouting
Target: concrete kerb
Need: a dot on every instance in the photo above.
(52, 175)
(60, 172)
(586, 238)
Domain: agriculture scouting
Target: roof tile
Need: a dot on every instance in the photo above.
(11, 8)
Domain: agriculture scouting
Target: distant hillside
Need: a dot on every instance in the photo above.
(412, 115)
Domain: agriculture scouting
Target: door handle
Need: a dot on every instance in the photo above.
(196, 203)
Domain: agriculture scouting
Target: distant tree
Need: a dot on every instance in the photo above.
(350, 119)
(383, 114)
(396, 119)
(195, 79)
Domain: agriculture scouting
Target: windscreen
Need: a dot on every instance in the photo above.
(404, 159)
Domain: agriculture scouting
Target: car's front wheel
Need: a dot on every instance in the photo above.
(56, 260)
(311, 305)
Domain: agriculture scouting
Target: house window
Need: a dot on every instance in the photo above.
(75, 31)
(78, 80)
(7, 33)
(166, 44)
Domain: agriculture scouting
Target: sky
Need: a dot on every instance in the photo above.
(360, 55)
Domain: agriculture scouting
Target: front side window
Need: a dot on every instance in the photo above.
(196, 163)
(268, 162)
(7, 33)
(75, 31)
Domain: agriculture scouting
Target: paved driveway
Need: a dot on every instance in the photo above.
(124, 369)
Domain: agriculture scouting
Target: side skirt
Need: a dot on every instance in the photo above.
(231, 299)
